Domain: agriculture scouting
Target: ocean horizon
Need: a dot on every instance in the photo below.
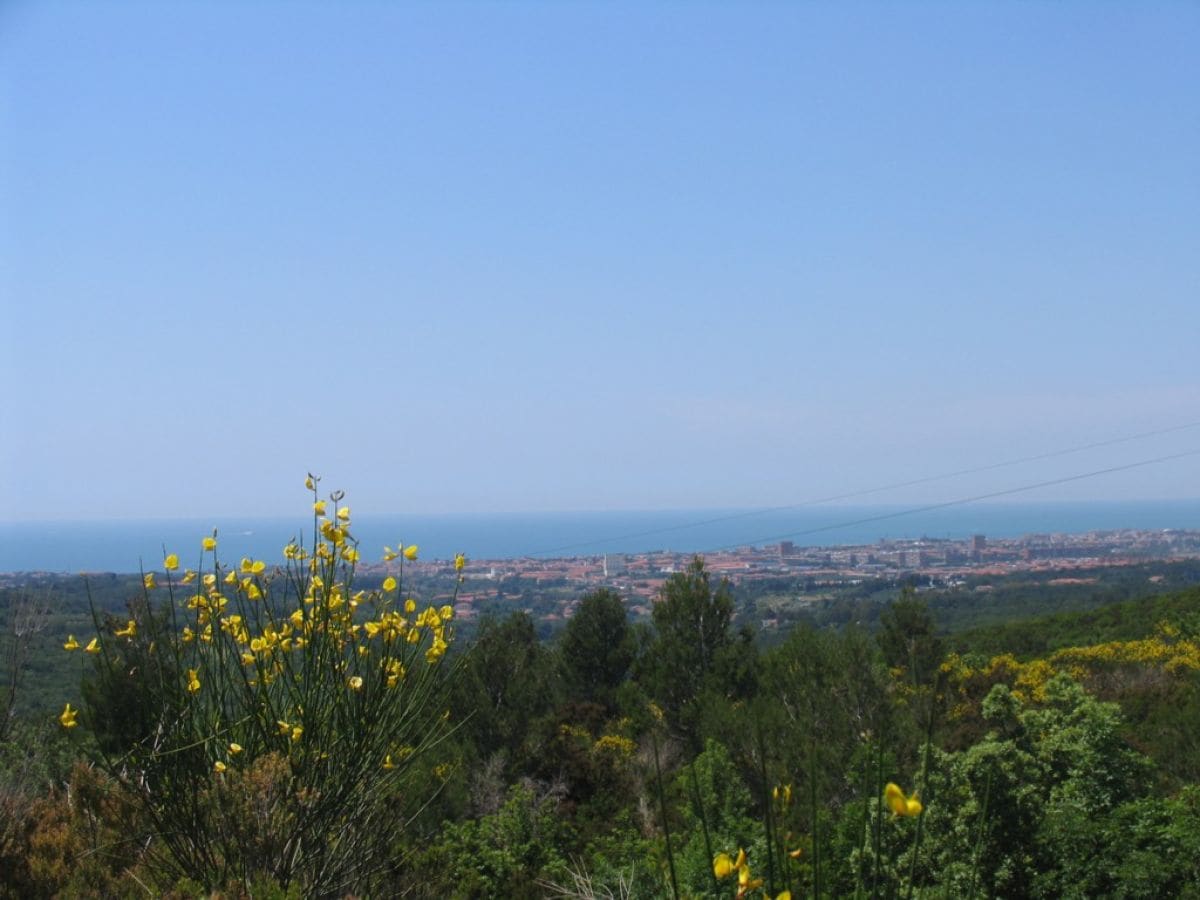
(127, 545)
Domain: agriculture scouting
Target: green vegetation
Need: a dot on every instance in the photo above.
(287, 731)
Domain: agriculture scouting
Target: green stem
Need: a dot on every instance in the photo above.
(812, 799)
(662, 802)
(768, 818)
(912, 869)
(865, 828)
(699, 802)
(987, 792)
(878, 819)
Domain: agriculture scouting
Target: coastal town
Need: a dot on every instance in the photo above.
(638, 577)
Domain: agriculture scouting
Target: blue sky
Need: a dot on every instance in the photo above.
(522, 256)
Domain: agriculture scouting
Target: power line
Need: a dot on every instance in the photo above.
(960, 502)
(667, 529)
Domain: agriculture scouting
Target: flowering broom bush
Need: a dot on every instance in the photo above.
(271, 721)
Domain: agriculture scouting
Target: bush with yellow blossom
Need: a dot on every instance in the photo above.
(266, 717)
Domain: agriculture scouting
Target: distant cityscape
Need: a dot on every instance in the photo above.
(559, 582)
(639, 576)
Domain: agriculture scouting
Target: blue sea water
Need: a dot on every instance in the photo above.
(120, 546)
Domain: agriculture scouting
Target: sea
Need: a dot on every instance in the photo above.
(130, 545)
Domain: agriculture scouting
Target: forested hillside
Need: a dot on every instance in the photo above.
(237, 732)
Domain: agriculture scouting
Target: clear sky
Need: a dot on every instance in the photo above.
(523, 256)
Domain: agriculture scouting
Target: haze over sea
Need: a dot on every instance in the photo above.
(118, 546)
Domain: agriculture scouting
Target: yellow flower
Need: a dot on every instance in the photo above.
(722, 866)
(71, 643)
(247, 658)
(343, 514)
(460, 562)
(259, 567)
(297, 732)
(899, 804)
(93, 646)
(784, 895)
(209, 543)
(68, 717)
(747, 882)
(130, 630)
(355, 683)
(410, 553)
(389, 583)
(387, 762)
(410, 606)
(235, 749)
(245, 564)
(389, 554)
(219, 767)
(319, 507)
(148, 581)
(284, 727)
(188, 577)
(308, 483)
(350, 554)
(171, 563)
(193, 685)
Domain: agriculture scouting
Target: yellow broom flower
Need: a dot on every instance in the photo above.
(722, 866)
(899, 804)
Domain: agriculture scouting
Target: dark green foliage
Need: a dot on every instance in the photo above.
(1148, 847)
(123, 706)
(506, 682)
(597, 648)
(713, 798)
(1043, 770)
(504, 854)
(1164, 722)
(908, 638)
(593, 766)
(822, 693)
(1126, 621)
(694, 650)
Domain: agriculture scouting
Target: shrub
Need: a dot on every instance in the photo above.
(266, 719)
